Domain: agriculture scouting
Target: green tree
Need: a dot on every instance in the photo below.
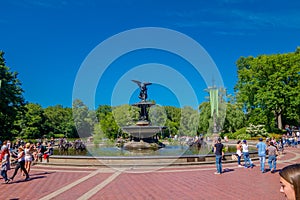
(268, 86)
(125, 115)
(11, 99)
(235, 117)
(173, 119)
(59, 121)
(107, 127)
(84, 118)
(102, 110)
(204, 117)
(29, 124)
(157, 116)
(189, 121)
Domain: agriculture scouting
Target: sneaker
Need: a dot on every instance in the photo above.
(217, 173)
(240, 166)
(27, 179)
(7, 181)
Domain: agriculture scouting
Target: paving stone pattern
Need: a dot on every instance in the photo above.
(188, 182)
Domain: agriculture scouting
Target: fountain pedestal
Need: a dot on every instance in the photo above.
(144, 135)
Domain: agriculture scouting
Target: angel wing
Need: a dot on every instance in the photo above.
(147, 83)
(138, 82)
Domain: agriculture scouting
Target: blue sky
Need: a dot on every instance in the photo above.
(47, 42)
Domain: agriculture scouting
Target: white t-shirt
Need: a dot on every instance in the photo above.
(245, 148)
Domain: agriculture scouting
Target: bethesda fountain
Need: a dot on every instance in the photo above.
(143, 135)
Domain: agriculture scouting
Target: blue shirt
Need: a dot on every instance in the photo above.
(261, 149)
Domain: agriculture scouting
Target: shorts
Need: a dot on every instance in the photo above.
(28, 158)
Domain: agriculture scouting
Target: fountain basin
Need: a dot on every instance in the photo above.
(139, 161)
(143, 131)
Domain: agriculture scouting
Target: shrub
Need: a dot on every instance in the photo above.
(257, 130)
(275, 135)
(236, 135)
(244, 136)
(59, 135)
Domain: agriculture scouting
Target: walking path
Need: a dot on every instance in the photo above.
(188, 182)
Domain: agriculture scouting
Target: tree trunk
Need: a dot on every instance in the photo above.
(279, 120)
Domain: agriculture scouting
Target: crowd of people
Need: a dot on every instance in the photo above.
(23, 155)
(289, 175)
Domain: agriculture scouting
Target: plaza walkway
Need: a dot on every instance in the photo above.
(189, 182)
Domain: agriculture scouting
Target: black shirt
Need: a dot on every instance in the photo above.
(219, 147)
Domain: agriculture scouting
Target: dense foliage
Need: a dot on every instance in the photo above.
(11, 99)
(268, 87)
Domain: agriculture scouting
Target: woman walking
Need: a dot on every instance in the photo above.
(28, 157)
(20, 164)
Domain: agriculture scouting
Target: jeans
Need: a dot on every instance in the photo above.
(4, 174)
(247, 159)
(262, 160)
(219, 163)
(19, 165)
(239, 159)
(272, 162)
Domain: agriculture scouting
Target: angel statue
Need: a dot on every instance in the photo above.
(143, 89)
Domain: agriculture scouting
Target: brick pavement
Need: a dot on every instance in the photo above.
(188, 182)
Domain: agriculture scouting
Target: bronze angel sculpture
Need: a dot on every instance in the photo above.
(143, 89)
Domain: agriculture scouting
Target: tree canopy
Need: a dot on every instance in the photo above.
(11, 99)
(268, 87)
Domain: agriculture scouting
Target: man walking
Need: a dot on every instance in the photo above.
(261, 146)
(218, 147)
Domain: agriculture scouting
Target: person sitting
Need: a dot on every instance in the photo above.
(48, 152)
